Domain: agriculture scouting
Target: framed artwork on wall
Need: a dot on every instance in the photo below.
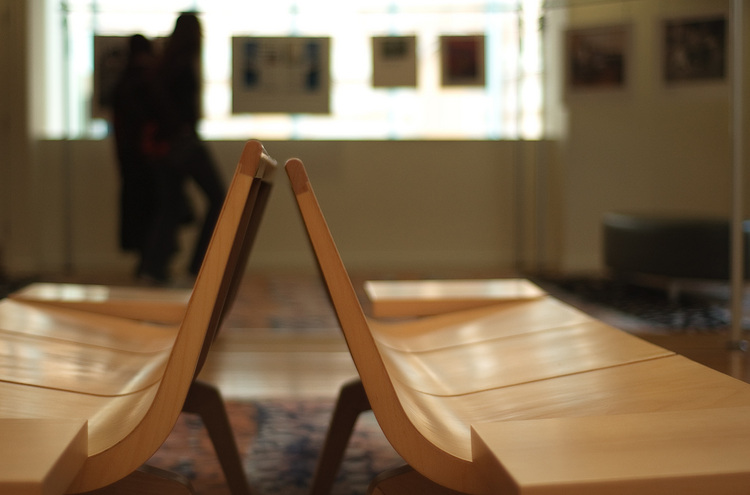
(462, 59)
(394, 61)
(695, 49)
(596, 58)
(281, 75)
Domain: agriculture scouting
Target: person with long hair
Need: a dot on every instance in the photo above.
(184, 156)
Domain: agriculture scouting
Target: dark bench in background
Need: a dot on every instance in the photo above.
(670, 246)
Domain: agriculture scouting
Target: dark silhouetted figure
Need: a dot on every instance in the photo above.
(132, 113)
(181, 155)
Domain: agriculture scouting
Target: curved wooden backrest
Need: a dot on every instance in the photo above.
(382, 392)
(244, 248)
(157, 417)
(241, 248)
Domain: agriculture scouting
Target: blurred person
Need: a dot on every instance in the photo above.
(182, 155)
(132, 112)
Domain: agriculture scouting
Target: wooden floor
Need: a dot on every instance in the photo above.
(246, 364)
(249, 361)
(281, 340)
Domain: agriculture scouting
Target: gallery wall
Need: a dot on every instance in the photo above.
(648, 146)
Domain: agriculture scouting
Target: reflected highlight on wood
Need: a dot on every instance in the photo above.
(396, 298)
(161, 305)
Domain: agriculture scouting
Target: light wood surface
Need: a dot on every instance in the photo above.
(399, 298)
(40, 456)
(503, 362)
(429, 381)
(670, 383)
(686, 452)
(163, 305)
(477, 325)
(77, 367)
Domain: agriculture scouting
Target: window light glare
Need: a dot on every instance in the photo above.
(507, 107)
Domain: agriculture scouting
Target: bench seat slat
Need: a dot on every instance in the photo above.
(84, 328)
(521, 358)
(476, 325)
(398, 298)
(49, 363)
(165, 305)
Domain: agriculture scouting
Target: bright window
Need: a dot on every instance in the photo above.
(508, 106)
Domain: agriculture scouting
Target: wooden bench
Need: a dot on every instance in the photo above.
(431, 380)
(126, 379)
(164, 306)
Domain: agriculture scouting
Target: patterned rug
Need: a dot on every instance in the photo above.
(284, 303)
(279, 441)
(638, 308)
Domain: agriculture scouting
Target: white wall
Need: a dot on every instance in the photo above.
(15, 168)
(391, 205)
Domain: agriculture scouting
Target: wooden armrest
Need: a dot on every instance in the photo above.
(45, 456)
(699, 451)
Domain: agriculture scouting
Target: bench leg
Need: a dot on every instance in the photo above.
(352, 401)
(148, 480)
(206, 401)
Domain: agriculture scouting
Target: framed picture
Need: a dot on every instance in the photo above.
(695, 49)
(281, 75)
(462, 60)
(394, 61)
(597, 58)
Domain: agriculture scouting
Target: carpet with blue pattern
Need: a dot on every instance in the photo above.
(280, 441)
